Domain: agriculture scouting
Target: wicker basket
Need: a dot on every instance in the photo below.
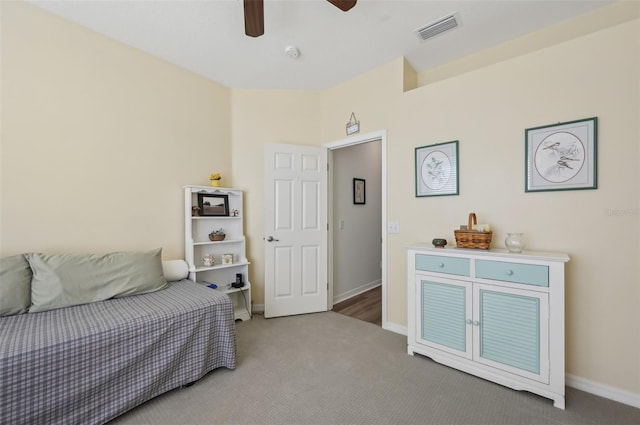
(472, 238)
(216, 238)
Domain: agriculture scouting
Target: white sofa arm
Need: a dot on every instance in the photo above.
(175, 270)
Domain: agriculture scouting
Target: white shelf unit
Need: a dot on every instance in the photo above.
(198, 245)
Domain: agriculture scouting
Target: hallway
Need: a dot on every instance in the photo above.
(366, 306)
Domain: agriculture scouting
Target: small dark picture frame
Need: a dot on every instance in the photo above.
(358, 191)
(213, 205)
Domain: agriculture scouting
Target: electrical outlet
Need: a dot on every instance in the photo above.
(393, 227)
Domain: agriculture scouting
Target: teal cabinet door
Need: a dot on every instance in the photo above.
(512, 331)
(445, 307)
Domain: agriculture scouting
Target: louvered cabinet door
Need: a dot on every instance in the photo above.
(445, 308)
(511, 330)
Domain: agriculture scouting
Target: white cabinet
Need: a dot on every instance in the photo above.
(218, 208)
(496, 315)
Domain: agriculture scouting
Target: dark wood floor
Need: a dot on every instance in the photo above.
(366, 306)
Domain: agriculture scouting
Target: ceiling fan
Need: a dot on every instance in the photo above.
(254, 14)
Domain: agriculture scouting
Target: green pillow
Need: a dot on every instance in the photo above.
(63, 280)
(15, 285)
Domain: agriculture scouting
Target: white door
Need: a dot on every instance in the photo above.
(295, 223)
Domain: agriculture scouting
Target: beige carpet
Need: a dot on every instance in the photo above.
(327, 368)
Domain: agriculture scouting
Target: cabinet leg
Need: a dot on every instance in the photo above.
(558, 402)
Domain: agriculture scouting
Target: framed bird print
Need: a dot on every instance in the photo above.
(437, 169)
(562, 156)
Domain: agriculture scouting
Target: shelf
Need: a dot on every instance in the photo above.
(218, 242)
(241, 313)
(213, 189)
(198, 245)
(215, 217)
(231, 290)
(220, 266)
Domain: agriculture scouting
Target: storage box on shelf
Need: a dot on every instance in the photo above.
(199, 245)
(493, 314)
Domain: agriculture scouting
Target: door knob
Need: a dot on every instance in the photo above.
(271, 239)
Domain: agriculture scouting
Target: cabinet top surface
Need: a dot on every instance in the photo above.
(466, 252)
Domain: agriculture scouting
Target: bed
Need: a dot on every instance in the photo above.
(89, 363)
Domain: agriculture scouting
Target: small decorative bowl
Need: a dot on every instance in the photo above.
(214, 237)
(439, 243)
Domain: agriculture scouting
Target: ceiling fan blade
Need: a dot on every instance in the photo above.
(254, 18)
(343, 5)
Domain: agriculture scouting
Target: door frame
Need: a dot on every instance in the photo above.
(357, 139)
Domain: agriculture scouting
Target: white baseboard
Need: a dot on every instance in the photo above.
(356, 291)
(603, 390)
(394, 327)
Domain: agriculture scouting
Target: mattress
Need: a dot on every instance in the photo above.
(88, 364)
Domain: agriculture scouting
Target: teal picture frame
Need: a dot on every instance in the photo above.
(437, 170)
(562, 156)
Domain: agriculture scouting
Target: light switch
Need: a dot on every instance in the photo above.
(393, 227)
(341, 224)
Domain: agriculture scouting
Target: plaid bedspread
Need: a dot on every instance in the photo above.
(90, 363)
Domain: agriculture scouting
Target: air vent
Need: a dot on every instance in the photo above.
(438, 27)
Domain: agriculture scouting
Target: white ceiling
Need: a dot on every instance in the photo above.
(207, 36)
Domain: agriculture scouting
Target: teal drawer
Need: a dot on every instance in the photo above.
(438, 264)
(529, 274)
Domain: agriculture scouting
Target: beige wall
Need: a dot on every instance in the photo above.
(98, 138)
(487, 110)
(259, 117)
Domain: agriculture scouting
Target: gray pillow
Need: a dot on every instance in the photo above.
(63, 280)
(15, 285)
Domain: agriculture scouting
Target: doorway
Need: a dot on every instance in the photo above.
(357, 236)
(366, 306)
